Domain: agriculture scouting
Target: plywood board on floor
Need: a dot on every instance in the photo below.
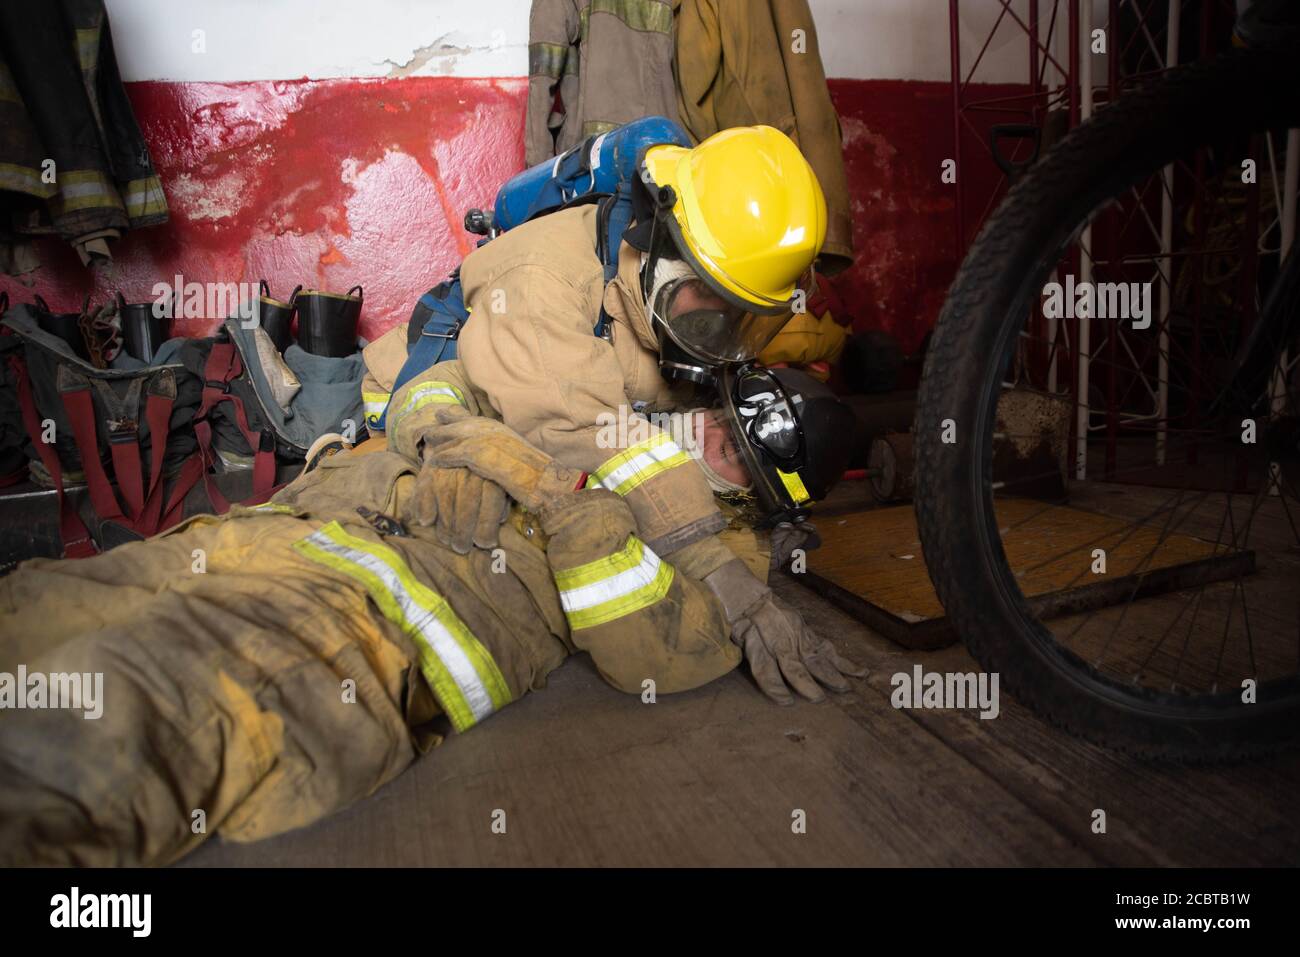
(870, 564)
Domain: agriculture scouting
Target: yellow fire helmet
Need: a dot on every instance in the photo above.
(749, 214)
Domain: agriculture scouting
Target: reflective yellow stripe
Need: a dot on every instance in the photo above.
(25, 179)
(794, 485)
(88, 48)
(375, 403)
(645, 16)
(638, 464)
(426, 393)
(594, 127)
(461, 672)
(613, 586)
(84, 189)
(547, 59)
(144, 197)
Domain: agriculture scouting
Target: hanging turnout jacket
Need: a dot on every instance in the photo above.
(748, 62)
(609, 61)
(73, 162)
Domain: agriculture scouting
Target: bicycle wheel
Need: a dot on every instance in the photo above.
(1195, 653)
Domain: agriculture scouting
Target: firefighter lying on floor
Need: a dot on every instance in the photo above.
(269, 667)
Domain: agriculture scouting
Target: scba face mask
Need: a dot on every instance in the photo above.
(700, 322)
(674, 361)
(793, 432)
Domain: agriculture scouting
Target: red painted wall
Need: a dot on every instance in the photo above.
(337, 182)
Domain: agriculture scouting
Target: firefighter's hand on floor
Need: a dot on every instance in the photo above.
(782, 651)
(464, 509)
(786, 537)
(496, 452)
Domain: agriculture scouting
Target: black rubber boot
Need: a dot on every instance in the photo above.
(327, 322)
(65, 325)
(144, 326)
(276, 317)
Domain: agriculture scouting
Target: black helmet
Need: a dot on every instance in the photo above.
(794, 433)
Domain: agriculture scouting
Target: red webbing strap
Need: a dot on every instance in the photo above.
(81, 413)
(195, 468)
(77, 542)
(263, 459)
(144, 501)
(203, 432)
(221, 366)
(126, 468)
(158, 413)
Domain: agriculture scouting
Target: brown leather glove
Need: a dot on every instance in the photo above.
(782, 651)
(494, 451)
(464, 509)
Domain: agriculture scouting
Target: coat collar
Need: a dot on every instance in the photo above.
(623, 299)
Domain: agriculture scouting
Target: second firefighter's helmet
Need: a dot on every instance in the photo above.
(793, 433)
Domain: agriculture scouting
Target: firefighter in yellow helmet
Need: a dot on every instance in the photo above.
(707, 273)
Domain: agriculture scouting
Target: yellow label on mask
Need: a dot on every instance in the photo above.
(794, 485)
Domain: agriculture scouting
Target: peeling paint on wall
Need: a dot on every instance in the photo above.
(446, 54)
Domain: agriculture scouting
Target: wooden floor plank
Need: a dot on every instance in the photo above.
(1157, 814)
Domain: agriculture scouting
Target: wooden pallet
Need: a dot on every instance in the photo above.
(870, 565)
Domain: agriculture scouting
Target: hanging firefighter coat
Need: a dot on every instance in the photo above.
(748, 62)
(604, 62)
(73, 162)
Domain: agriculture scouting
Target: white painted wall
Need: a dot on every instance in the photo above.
(288, 39)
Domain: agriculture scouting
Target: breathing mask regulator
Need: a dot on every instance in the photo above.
(791, 432)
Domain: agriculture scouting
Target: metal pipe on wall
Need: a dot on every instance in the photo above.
(1165, 261)
(1082, 411)
(1290, 188)
(954, 49)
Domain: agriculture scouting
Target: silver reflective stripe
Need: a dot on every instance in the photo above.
(618, 586)
(423, 621)
(83, 189)
(613, 586)
(638, 464)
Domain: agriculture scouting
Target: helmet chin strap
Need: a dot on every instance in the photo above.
(665, 271)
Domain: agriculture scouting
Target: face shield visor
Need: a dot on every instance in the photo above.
(768, 417)
(709, 327)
